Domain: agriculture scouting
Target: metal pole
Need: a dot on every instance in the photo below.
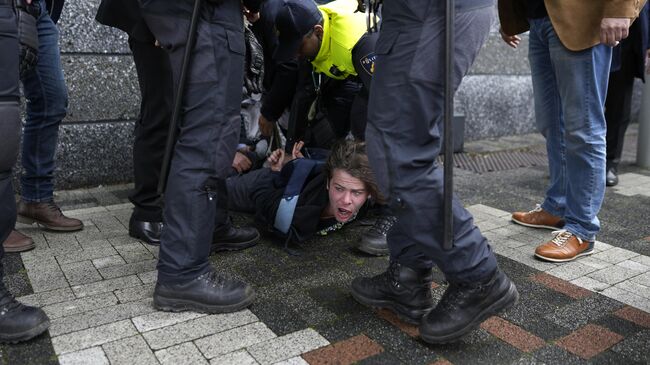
(643, 141)
(448, 235)
(178, 98)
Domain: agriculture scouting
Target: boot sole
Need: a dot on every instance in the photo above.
(26, 335)
(401, 311)
(20, 249)
(27, 220)
(372, 251)
(181, 305)
(507, 301)
(235, 246)
(143, 238)
(552, 228)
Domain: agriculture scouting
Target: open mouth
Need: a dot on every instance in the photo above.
(343, 214)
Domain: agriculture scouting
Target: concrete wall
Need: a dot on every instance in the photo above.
(95, 138)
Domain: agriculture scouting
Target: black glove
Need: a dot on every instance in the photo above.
(26, 15)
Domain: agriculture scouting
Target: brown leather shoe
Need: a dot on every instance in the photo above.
(48, 215)
(538, 218)
(565, 246)
(17, 242)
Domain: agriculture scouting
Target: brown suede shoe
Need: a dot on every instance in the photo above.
(17, 242)
(538, 218)
(565, 246)
(48, 215)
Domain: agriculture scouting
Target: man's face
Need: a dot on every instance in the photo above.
(347, 194)
(311, 44)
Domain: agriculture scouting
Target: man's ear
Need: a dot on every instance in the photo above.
(318, 31)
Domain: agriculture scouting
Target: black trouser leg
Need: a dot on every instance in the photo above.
(151, 128)
(618, 107)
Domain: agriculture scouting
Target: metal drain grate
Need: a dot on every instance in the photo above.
(499, 161)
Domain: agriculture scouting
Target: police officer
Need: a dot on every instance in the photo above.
(18, 322)
(203, 154)
(403, 136)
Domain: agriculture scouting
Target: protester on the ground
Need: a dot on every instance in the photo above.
(47, 104)
(629, 60)
(151, 129)
(570, 50)
(403, 136)
(335, 40)
(18, 322)
(208, 136)
(331, 194)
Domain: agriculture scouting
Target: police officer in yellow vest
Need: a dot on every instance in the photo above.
(334, 39)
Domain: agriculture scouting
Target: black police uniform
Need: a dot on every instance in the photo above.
(403, 135)
(208, 130)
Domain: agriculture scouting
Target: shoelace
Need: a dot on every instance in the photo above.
(562, 236)
(53, 207)
(537, 209)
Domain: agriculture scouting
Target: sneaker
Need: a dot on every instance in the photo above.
(373, 241)
(402, 290)
(17, 242)
(464, 306)
(19, 322)
(212, 292)
(48, 215)
(538, 218)
(565, 246)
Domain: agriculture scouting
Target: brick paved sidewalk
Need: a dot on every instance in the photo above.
(96, 286)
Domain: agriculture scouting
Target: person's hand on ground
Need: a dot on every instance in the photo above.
(276, 160)
(511, 40)
(613, 30)
(266, 126)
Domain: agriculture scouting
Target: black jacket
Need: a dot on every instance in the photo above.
(638, 41)
(124, 15)
(54, 8)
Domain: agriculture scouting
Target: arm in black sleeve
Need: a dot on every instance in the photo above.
(283, 87)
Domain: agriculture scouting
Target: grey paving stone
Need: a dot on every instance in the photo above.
(241, 357)
(149, 277)
(152, 321)
(594, 262)
(635, 288)
(614, 274)
(643, 279)
(134, 252)
(615, 255)
(288, 346)
(78, 306)
(293, 361)
(631, 345)
(94, 356)
(185, 353)
(96, 336)
(586, 310)
(130, 350)
(45, 275)
(48, 297)
(634, 265)
(101, 316)
(82, 272)
(197, 328)
(90, 253)
(234, 339)
(642, 259)
(571, 270)
(134, 293)
(591, 284)
(106, 286)
(103, 262)
(128, 269)
(628, 298)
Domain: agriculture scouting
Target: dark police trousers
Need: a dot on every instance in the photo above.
(208, 135)
(403, 135)
(9, 118)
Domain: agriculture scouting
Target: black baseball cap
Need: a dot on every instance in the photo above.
(293, 21)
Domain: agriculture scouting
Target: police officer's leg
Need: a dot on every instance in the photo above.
(150, 136)
(209, 131)
(17, 322)
(404, 141)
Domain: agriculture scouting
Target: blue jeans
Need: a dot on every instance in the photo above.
(47, 103)
(569, 90)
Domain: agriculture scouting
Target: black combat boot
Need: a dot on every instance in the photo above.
(19, 322)
(464, 306)
(212, 292)
(405, 291)
(373, 241)
(230, 238)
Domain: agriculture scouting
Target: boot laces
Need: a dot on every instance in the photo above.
(383, 224)
(562, 236)
(390, 276)
(537, 209)
(51, 206)
(7, 302)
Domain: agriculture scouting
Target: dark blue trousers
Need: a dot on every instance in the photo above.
(403, 135)
(208, 134)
